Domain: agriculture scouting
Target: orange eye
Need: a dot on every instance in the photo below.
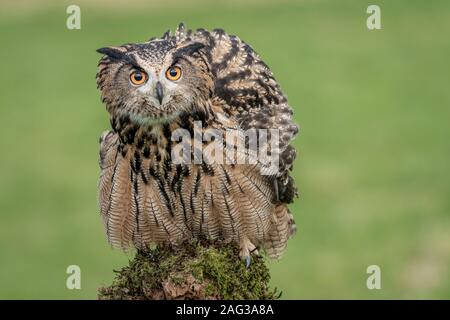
(138, 77)
(173, 73)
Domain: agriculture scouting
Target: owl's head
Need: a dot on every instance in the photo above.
(154, 81)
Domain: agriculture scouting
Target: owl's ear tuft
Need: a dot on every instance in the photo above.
(118, 54)
(115, 53)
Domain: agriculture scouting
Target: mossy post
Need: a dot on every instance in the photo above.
(192, 270)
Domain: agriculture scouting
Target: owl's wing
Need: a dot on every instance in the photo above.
(251, 95)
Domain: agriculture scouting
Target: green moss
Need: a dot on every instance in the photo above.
(193, 270)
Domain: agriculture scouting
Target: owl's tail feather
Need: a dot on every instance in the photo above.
(281, 230)
(254, 204)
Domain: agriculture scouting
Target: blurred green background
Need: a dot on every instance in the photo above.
(374, 151)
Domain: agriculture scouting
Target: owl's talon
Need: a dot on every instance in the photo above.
(247, 249)
(247, 259)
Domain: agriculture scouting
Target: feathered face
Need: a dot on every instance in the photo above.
(154, 81)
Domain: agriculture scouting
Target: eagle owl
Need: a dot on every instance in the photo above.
(215, 81)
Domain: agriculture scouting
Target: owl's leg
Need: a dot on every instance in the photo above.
(247, 249)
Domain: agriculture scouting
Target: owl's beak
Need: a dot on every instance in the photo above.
(159, 92)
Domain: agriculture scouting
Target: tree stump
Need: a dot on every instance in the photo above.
(193, 270)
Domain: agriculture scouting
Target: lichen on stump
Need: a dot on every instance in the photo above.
(192, 270)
